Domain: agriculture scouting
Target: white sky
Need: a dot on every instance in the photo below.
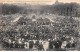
(40, 1)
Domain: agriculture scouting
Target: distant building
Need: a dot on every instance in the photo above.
(57, 2)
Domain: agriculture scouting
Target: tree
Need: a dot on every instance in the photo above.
(67, 9)
(10, 9)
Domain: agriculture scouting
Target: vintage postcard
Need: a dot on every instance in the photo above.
(39, 25)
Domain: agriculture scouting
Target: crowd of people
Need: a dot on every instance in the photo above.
(40, 45)
(37, 34)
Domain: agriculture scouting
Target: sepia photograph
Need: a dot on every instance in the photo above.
(35, 25)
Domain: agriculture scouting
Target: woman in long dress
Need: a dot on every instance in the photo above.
(45, 45)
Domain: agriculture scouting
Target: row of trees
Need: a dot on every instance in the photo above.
(67, 9)
(10, 9)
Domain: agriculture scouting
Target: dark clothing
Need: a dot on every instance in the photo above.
(74, 45)
(51, 44)
(6, 44)
(57, 44)
(68, 45)
(31, 43)
(16, 45)
(11, 45)
(37, 43)
(40, 47)
(22, 45)
(19, 45)
(63, 39)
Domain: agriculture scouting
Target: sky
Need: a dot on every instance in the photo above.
(49, 2)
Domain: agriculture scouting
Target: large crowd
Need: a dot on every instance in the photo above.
(50, 44)
(36, 34)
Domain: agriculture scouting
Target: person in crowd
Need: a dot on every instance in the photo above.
(34, 46)
(77, 46)
(37, 44)
(64, 43)
(22, 45)
(9, 42)
(6, 44)
(19, 43)
(68, 45)
(11, 45)
(50, 44)
(74, 44)
(40, 46)
(57, 44)
(71, 44)
(45, 45)
(31, 43)
(63, 39)
(26, 45)
(16, 45)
